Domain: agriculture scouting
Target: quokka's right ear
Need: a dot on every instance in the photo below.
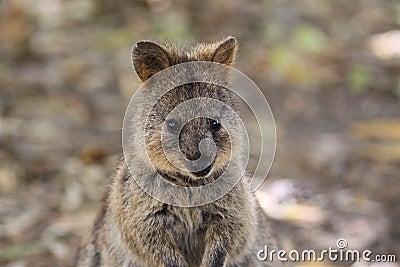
(225, 53)
(148, 58)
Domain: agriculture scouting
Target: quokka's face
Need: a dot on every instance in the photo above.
(174, 139)
(186, 134)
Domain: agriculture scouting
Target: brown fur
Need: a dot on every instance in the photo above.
(133, 229)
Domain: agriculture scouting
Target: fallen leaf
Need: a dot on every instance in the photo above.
(377, 129)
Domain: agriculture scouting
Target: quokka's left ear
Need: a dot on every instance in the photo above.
(225, 53)
(148, 58)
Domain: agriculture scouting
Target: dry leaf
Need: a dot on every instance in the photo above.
(377, 129)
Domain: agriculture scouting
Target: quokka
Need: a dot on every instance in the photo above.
(134, 229)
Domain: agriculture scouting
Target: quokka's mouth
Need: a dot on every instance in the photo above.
(203, 172)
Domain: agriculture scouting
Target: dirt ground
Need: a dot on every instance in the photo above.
(329, 69)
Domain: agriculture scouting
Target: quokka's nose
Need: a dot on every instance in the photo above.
(205, 149)
(191, 153)
(202, 164)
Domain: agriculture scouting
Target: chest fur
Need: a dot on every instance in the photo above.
(186, 227)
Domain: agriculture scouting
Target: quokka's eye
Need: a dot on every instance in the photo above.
(215, 126)
(172, 126)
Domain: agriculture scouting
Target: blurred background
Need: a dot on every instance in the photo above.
(329, 69)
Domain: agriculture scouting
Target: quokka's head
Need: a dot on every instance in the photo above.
(191, 130)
